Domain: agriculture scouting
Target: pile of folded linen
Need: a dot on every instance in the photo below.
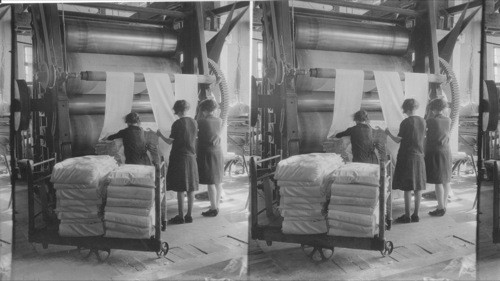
(112, 148)
(79, 184)
(130, 211)
(300, 180)
(353, 210)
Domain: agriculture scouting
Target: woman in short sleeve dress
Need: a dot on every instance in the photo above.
(182, 173)
(409, 174)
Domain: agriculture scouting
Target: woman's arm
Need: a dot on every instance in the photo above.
(165, 139)
(115, 136)
(344, 133)
(396, 139)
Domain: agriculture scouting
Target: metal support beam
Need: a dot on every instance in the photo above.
(168, 13)
(77, 15)
(226, 9)
(357, 5)
(335, 15)
(369, 75)
(460, 8)
(138, 77)
(433, 48)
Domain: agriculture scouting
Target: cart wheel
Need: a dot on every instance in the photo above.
(98, 255)
(163, 250)
(317, 254)
(388, 247)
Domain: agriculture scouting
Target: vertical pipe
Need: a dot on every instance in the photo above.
(482, 73)
(31, 200)
(381, 198)
(158, 174)
(252, 172)
(496, 203)
(13, 74)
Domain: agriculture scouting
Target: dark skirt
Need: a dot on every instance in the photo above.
(182, 173)
(210, 165)
(438, 165)
(409, 173)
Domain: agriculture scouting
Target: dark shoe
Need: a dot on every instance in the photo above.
(403, 219)
(414, 218)
(188, 219)
(163, 225)
(210, 213)
(437, 213)
(176, 220)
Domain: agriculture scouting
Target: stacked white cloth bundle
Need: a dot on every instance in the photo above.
(300, 179)
(353, 210)
(130, 211)
(79, 184)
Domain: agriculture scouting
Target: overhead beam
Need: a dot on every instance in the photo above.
(78, 15)
(460, 8)
(169, 13)
(226, 9)
(362, 6)
(335, 15)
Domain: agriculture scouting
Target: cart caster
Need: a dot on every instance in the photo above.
(269, 243)
(317, 254)
(388, 247)
(98, 255)
(163, 250)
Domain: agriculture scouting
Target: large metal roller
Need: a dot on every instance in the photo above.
(343, 60)
(324, 101)
(78, 62)
(85, 131)
(119, 39)
(96, 104)
(345, 36)
(314, 127)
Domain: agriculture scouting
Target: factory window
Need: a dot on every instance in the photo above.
(28, 63)
(496, 64)
(260, 55)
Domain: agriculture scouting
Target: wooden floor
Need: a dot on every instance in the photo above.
(433, 248)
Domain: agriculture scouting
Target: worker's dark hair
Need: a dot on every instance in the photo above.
(132, 118)
(437, 104)
(180, 106)
(361, 116)
(208, 105)
(409, 105)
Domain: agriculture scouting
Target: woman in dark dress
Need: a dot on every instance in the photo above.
(438, 154)
(209, 155)
(182, 173)
(363, 149)
(134, 143)
(409, 174)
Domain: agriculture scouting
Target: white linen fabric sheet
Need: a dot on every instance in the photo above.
(348, 94)
(186, 88)
(390, 92)
(119, 97)
(161, 96)
(417, 87)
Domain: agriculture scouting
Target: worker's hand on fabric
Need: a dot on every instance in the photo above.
(158, 133)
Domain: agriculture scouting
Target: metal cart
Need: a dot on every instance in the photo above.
(41, 196)
(314, 244)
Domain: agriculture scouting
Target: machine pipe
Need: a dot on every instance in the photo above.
(369, 75)
(346, 36)
(138, 77)
(324, 102)
(96, 104)
(119, 39)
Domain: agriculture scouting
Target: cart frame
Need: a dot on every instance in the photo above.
(322, 241)
(48, 233)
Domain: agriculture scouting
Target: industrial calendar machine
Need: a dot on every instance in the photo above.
(304, 42)
(72, 50)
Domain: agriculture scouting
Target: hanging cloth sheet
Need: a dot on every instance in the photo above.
(186, 88)
(390, 92)
(417, 87)
(348, 94)
(119, 96)
(161, 95)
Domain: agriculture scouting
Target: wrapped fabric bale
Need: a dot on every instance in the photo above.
(291, 226)
(126, 192)
(79, 184)
(355, 173)
(113, 148)
(133, 175)
(307, 167)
